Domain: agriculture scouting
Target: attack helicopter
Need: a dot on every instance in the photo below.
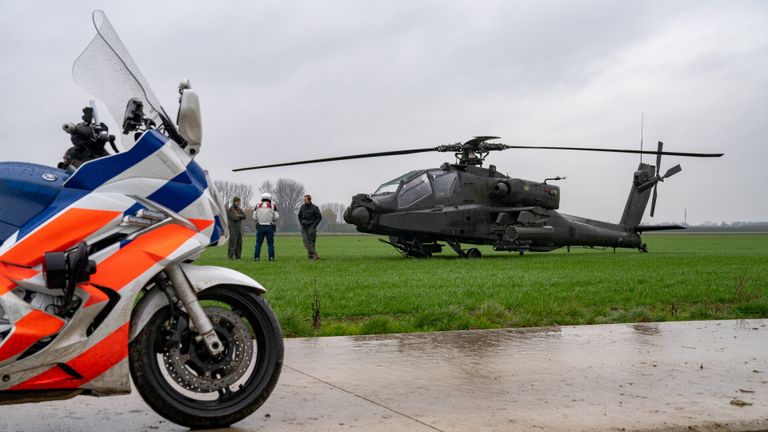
(465, 203)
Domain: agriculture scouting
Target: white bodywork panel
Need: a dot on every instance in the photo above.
(201, 278)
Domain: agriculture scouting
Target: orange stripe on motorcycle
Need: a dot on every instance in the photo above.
(95, 295)
(11, 273)
(59, 234)
(15, 272)
(140, 255)
(29, 329)
(89, 365)
(6, 285)
(201, 224)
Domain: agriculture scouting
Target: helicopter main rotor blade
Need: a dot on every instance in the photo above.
(672, 171)
(658, 158)
(338, 158)
(613, 150)
(480, 142)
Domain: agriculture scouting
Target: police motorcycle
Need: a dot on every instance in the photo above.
(97, 273)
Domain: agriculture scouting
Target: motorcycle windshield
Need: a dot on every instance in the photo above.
(106, 70)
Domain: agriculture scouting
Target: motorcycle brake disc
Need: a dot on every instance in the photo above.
(191, 367)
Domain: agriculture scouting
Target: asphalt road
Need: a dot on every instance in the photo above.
(706, 375)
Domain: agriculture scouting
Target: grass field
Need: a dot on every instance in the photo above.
(362, 286)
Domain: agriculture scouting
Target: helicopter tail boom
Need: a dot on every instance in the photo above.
(638, 197)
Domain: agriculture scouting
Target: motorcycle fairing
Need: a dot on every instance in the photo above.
(115, 167)
(29, 329)
(91, 207)
(26, 189)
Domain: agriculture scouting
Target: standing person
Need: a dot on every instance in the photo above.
(309, 218)
(235, 217)
(265, 216)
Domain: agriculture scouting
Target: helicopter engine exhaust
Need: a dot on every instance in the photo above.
(523, 193)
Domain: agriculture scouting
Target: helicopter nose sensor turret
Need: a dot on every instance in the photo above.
(358, 216)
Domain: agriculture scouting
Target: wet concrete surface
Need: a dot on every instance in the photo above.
(705, 376)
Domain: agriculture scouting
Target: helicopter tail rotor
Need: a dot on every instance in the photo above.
(654, 181)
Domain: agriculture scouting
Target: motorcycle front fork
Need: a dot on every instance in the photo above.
(202, 325)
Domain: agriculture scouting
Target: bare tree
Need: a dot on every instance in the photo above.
(329, 216)
(333, 219)
(229, 190)
(267, 187)
(338, 211)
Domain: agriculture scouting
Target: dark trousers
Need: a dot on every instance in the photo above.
(267, 231)
(309, 236)
(235, 248)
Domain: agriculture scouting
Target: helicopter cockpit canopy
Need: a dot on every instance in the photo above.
(416, 186)
(444, 182)
(414, 190)
(393, 185)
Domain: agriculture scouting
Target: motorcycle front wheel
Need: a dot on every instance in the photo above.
(182, 382)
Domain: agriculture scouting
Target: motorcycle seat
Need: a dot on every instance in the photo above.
(26, 190)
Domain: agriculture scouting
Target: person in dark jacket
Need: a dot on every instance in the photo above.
(235, 217)
(309, 218)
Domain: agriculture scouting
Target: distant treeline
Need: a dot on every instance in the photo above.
(287, 194)
(729, 227)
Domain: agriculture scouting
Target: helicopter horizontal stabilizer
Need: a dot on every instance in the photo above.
(647, 228)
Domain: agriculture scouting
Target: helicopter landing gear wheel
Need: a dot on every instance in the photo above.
(643, 248)
(473, 253)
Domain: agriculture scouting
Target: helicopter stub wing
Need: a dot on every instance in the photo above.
(647, 228)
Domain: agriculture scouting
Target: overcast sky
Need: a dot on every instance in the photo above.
(283, 81)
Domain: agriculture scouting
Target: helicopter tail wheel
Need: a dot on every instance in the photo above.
(473, 253)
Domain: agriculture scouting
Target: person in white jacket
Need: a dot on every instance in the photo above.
(265, 214)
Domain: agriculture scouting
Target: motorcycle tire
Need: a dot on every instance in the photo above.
(176, 376)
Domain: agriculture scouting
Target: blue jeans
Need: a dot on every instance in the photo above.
(261, 232)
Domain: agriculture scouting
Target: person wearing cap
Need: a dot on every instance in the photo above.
(235, 217)
(309, 218)
(265, 214)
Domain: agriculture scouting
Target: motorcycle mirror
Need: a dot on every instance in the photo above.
(189, 119)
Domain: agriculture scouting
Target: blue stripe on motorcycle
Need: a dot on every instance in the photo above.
(63, 200)
(217, 229)
(197, 173)
(179, 192)
(97, 172)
